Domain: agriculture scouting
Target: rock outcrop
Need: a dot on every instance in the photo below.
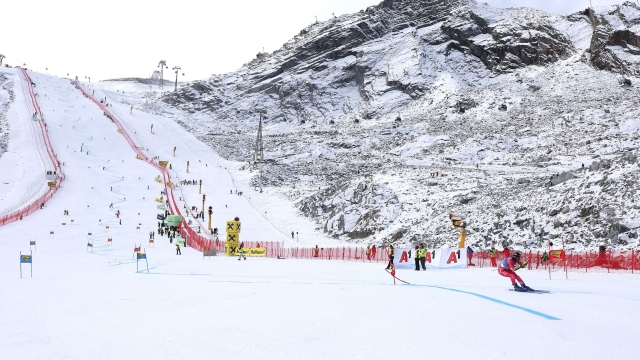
(411, 109)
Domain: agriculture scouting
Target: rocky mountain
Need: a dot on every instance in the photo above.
(380, 123)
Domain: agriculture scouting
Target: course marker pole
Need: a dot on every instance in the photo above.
(393, 274)
(549, 252)
(26, 259)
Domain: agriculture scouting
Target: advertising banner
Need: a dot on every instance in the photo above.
(435, 259)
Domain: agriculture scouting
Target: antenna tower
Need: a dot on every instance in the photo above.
(259, 149)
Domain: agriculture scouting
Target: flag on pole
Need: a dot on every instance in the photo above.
(25, 259)
(142, 256)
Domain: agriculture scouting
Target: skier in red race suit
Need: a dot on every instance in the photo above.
(508, 267)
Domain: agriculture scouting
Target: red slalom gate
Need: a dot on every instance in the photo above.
(36, 204)
(194, 240)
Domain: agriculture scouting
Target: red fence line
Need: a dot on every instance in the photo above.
(608, 259)
(194, 240)
(36, 204)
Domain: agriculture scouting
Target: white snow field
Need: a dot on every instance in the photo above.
(24, 164)
(92, 304)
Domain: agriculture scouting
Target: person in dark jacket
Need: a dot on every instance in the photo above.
(391, 254)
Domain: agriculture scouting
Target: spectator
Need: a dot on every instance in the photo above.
(423, 256)
(391, 254)
(470, 255)
(493, 253)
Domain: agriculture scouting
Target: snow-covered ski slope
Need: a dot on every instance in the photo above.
(22, 179)
(92, 304)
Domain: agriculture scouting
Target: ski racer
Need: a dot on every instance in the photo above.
(508, 268)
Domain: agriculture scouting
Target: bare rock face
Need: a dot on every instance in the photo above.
(615, 44)
(506, 40)
(411, 109)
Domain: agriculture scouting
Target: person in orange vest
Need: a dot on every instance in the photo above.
(391, 254)
(316, 251)
(368, 252)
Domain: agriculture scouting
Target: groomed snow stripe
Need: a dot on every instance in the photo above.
(35, 205)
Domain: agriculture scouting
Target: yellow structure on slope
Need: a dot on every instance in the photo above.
(460, 222)
(233, 237)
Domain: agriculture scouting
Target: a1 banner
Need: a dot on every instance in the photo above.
(435, 259)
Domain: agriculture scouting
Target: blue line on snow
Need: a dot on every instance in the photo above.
(543, 315)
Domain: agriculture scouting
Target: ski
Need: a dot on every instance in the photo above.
(533, 291)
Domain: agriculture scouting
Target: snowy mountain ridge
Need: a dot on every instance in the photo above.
(529, 120)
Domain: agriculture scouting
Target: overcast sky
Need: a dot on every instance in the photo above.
(122, 38)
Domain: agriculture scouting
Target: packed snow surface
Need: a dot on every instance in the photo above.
(92, 303)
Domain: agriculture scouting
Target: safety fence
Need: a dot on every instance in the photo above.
(274, 248)
(194, 240)
(39, 202)
(601, 260)
(337, 253)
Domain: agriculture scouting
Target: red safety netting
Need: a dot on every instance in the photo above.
(274, 248)
(605, 260)
(277, 250)
(337, 253)
(194, 239)
(38, 203)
